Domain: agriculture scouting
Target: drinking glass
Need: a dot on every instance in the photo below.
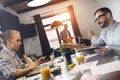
(80, 59)
(45, 71)
(52, 58)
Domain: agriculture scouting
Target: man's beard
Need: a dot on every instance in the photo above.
(105, 24)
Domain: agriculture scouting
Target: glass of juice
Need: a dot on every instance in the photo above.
(80, 59)
(45, 72)
(52, 57)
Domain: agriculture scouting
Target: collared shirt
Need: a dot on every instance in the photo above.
(9, 63)
(110, 37)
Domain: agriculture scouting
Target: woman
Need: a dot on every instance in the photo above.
(93, 38)
(10, 64)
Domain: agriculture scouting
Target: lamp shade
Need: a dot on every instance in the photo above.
(35, 3)
(56, 24)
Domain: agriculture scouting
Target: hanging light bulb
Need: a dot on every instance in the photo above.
(35, 3)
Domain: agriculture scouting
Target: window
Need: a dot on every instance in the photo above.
(51, 34)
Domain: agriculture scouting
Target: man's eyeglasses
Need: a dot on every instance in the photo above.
(100, 16)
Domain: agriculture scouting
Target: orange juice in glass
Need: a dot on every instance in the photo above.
(52, 57)
(80, 59)
(45, 72)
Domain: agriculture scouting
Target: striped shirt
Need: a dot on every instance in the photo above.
(9, 63)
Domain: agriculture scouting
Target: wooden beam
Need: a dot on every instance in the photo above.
(74, 23)
(48, 4)
(10, 3)
(45, 46)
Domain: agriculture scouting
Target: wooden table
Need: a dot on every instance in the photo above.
(101, 60)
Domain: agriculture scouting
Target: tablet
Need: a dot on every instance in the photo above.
(89, 50)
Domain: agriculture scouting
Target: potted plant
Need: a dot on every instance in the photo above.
(67, 53)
